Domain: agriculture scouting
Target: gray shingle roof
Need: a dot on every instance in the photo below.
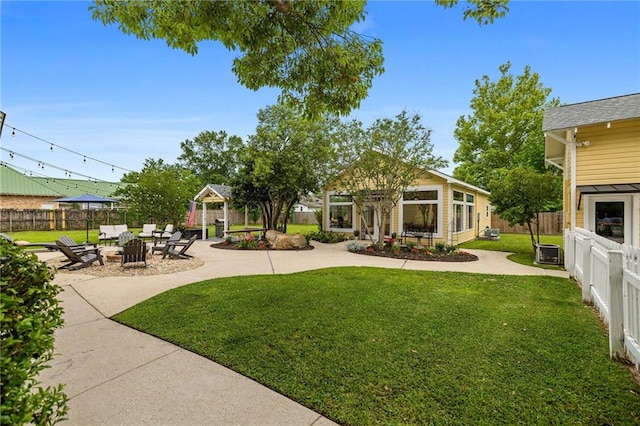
(223, 190)
(599, 111)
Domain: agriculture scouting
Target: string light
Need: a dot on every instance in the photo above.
(11, 154)
(13, 133)
(51, 145)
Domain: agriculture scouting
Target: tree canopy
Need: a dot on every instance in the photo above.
(383, 160)
(287, 158)
(211, 156)
(504, 130)
(305, 48)
(160, 192)
(519, 195)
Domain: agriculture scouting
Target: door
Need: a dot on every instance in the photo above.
(610, 216)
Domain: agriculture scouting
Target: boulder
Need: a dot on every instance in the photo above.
(271, 235)
(289, 242)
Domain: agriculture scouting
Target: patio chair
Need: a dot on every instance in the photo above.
(147, 230)
(159, 234)
(175, 237)
(125, 237)
(48, 246)
(172, 251)
(75, 246)
(134, 251)
(77, 259)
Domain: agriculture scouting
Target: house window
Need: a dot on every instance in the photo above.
(420, 210)
(609, 217)
(463, 211)
(341, 211)
(458, 209)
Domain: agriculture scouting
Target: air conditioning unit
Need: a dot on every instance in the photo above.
(548, 254)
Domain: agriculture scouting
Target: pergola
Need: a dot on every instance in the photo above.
(214, 194)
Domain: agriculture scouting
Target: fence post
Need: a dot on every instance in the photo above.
(586, 270)
(616, 305)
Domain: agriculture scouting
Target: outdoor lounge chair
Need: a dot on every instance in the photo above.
(160, 234)
(178, 249)
(48, 246)
(147, 230)
(175, 237)
(134, 251)
(75, 246)
(78, 259)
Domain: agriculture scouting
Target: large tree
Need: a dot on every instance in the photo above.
(286, 159)
(305, 48)
(504, 130)
(383, 160)
(160, 192)
(518, 195)
(211, 156)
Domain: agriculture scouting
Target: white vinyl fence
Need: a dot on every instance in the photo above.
(609, 274)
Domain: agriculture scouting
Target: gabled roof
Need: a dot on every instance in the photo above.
(453, 180)
(214, 193)
(12, 182)
(592, 112)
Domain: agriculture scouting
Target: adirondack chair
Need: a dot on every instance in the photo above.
(125, 237)
(78, 259)
(134, 251)
(75, 246)
(178, 249)
(175, 237)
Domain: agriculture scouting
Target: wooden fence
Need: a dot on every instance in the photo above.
(12, 220)
(551, 223)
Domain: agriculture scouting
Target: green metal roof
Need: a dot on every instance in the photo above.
(12, 182)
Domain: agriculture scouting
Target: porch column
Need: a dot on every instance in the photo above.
(204, 220)
(226, 216)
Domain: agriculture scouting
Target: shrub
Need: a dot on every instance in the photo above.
(29, 314)
(356, 247)
(318, 215)
(440, 247)
(326, 237)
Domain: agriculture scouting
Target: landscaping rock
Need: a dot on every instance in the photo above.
(289, 242)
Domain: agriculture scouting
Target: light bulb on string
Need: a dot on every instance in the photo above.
(112, 169)
(51, 147)
(11, 154)
(13, 133)
(84, 160)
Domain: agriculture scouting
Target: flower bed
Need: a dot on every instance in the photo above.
(440, 252)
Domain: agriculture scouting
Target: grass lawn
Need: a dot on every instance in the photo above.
(368, 345)
(518, 244)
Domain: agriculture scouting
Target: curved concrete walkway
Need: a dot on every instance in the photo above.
(116, 375)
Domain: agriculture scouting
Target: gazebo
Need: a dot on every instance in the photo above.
(214, 194)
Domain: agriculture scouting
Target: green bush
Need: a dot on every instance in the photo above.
(318, 215)
(326, 237)
(29, 314)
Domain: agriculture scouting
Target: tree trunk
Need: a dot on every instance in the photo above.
(533, 239)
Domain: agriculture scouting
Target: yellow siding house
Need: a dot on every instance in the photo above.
(597, 146)
(450, 210)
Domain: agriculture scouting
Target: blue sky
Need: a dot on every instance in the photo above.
(91, 89)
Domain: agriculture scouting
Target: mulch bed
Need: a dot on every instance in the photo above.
(407, 255)
(236, 246)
